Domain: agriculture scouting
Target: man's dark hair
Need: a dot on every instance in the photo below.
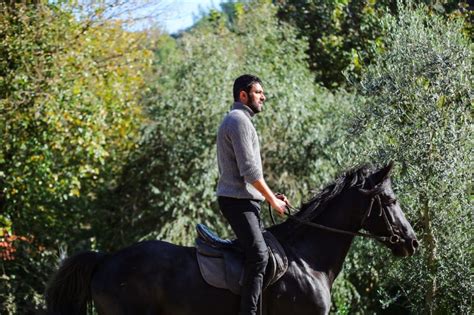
(244, 83)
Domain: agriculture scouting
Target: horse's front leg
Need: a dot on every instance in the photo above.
(299, 293)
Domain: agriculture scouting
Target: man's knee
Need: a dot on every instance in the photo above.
(263, 256)
(259, 257)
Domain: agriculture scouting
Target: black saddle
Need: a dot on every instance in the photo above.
(221, 261)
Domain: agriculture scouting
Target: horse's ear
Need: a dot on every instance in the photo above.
(382, 174)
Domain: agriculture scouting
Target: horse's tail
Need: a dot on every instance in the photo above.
(69, 291)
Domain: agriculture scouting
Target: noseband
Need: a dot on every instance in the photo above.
(374, 195)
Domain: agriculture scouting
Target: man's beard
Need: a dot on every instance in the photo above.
(254, 107)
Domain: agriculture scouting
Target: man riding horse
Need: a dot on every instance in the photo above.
(241, 187)
(160, 278)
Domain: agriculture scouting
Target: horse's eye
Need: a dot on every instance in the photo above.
(390, 201)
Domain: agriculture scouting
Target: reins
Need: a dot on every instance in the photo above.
(393, 238)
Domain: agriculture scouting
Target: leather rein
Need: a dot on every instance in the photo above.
(375, 196)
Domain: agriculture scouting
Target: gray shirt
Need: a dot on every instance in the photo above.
(238, 155)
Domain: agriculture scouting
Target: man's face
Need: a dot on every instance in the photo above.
(255, 98)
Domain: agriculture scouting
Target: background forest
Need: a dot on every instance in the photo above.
(108, 135)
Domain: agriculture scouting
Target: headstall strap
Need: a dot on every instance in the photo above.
(369, 210)
(374, 194)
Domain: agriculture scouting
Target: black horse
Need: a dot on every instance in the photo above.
(160, 278)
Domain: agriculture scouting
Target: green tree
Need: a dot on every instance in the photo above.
(339, 34)
(418, 113)
(345, 35)
(69, 117)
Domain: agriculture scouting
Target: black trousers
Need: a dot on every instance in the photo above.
(244, 218)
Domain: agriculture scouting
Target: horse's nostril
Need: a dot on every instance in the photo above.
(414, 244)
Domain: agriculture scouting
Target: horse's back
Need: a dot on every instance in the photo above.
(160, 278)
(137, 276)
(145, 258)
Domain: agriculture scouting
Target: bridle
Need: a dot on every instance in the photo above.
(374, 195)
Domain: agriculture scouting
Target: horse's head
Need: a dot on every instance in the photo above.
(385, 217)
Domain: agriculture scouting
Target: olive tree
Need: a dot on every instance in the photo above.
(417, 111)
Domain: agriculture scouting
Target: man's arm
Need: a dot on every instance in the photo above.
(277, 204)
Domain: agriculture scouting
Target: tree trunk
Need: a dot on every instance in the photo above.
(431, 246)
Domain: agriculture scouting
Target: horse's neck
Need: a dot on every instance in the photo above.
(325, 251)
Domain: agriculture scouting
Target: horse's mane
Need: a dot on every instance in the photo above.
(310, 209)
(351, 178)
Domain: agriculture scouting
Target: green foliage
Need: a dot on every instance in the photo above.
(344, 296)
(418, 113)
(340, 34)
(346, 35)
(61, 90)
(76, 172)
(170, 185)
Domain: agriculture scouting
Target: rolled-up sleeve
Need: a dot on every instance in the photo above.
(242, 135)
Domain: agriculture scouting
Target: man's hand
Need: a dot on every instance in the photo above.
(278, 205)
(277, 202)
(283, 198)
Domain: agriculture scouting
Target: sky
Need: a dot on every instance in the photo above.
(180, 14)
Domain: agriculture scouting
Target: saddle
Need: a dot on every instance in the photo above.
(221, 261)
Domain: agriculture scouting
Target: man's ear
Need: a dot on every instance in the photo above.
(243, 96)
(382, 174)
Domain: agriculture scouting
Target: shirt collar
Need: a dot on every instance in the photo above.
(247, 110)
